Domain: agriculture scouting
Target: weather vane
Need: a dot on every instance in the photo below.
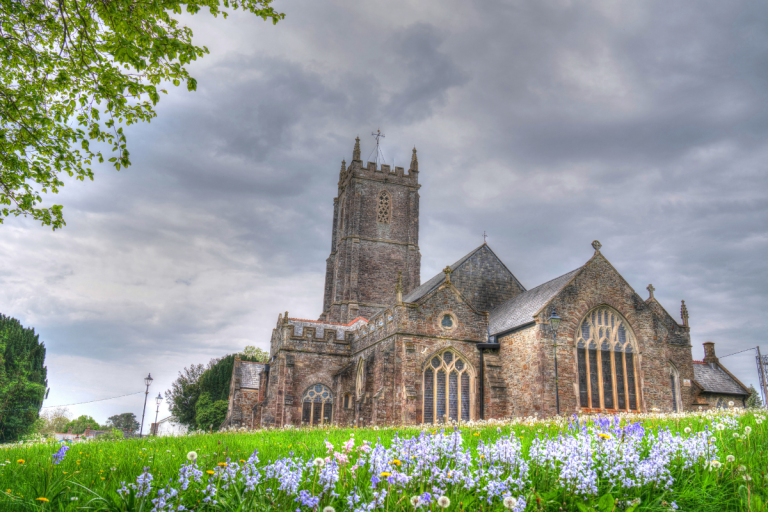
(378, 135)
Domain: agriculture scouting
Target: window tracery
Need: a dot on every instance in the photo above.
(606, 353)
(384, 210)
(447, 388)
(317, 405)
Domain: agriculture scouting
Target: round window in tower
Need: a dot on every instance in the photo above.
(447, 321)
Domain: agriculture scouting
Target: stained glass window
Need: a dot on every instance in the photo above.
(447, 388)
(605, 352)
(429, 396)
(447, 321)
(317, 405)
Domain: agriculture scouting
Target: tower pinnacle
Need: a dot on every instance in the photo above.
(356, 151)
(414, 161)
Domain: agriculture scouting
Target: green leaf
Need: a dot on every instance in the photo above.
(606, 503)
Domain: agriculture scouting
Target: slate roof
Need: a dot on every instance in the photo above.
(439, 279)
(519, 310)
(714, 380)
(249, 374)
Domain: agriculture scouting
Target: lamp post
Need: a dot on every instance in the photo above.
(554, 324)
(147, 380)
(159, 400)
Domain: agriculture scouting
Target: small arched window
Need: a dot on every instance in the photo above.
(360, 379)
(606, 351)
(347, 401)
(384, 208)
(674, 377)
(447, 388)
(317, 405)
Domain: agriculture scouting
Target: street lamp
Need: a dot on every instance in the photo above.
(159, 400)
(147, 380)
(554, 324)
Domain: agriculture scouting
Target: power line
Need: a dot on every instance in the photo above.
(739, 352)
(67, 405)
(91, 401)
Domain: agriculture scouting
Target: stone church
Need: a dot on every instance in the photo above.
(469, 343)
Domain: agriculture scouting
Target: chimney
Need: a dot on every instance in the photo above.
(87, 430)
(709, 352)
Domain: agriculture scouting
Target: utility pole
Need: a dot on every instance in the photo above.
(761, 377)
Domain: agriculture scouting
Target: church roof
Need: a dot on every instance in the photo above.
(420, 291)
(249, 374)
(519, 310)
(713, 379)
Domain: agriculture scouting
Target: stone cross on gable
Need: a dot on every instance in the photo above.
(485, 237)
(650, 289)
(596, 245)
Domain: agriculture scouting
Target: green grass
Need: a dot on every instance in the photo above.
(98, 468)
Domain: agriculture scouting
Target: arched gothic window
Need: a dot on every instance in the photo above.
(448, 387)
(674, 377)
(317, 405)
(384, 211)
(606, 351)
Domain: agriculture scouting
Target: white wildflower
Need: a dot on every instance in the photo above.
(192, 456)
(415, 501)
(318, 462)
(747, 430)
(329, 509)
(730, 458)
(510, 502)
(443, 502)
(687, 430)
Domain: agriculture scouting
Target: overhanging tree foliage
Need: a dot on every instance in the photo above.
(78, 71)
(23, 378)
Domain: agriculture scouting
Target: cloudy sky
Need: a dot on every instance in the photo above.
(547, 124)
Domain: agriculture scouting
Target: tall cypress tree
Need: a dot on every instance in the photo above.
(23, 378)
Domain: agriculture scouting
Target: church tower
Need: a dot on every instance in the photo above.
(375, 236)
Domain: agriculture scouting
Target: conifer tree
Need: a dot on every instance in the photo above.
(754, 399)
(23, 378)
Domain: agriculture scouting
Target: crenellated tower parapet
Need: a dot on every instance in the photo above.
(375, 235)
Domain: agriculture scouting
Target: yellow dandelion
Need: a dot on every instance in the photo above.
(396, 462)
(385, 474)
(476, 434)
(222, 463)
(42, 499)
(242, 460)
(604, 436)
(210, 472)
(20, 461)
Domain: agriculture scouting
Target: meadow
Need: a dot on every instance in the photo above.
(715, 461)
